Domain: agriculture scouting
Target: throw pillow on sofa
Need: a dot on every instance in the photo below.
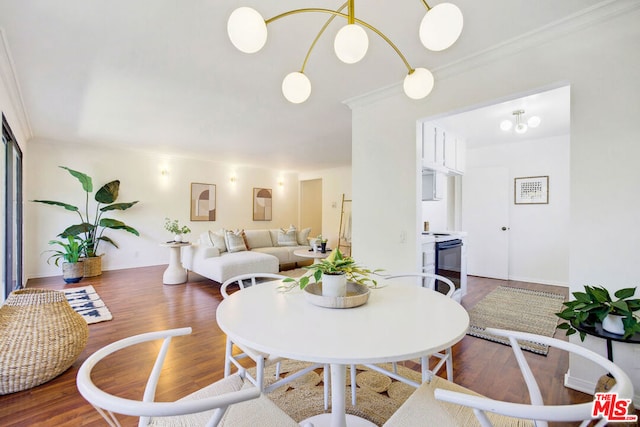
(288, 237)
(303, 236)
(218, 240)
(234, 241)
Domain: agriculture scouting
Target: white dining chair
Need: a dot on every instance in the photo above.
(444, 403)
(262, 360)
(229, 402)
(427, 280)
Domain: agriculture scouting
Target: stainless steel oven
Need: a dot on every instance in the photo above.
(449, 261)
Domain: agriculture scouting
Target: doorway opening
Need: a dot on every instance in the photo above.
(311, 206)
(508, 240)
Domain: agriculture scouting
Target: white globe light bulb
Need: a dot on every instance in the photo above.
(506, 125)
(418, 84)
(296, 87)
(247, 30)
(441, 26)
(533, 121)
(521, 128)
(351, 43)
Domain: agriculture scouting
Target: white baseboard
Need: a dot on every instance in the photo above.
(538, 280)
(588, 387)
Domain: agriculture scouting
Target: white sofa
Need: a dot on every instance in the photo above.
(210, 257)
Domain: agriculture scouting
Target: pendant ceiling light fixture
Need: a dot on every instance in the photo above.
(520, 126)
(440, 28)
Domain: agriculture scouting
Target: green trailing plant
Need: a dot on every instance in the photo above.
(92, 227)
(174, 227)
(70, 251)
(336, 263)
(594, 304)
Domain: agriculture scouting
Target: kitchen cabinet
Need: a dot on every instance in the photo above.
(433, 185)
(442, 151)
(432, 148)
(429, 257)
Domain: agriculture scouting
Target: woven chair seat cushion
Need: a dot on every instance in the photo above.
(40, 338)
(422, 406)
(256, 412)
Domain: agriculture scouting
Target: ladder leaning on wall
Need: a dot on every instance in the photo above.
(344, 237)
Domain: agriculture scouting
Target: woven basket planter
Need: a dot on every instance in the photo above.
(92, 266)
(40, 338)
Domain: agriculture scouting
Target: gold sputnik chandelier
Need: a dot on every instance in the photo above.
(439, 29)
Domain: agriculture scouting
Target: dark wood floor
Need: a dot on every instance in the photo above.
(140, 303)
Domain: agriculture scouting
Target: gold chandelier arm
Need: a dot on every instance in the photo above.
(337, 13)
(322, 30)
(426, 5)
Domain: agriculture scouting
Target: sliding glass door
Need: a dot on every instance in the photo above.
(11, 232)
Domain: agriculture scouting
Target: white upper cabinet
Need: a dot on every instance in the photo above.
(442, 150)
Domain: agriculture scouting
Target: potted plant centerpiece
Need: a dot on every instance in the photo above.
(70, 253)
(92, 228)
(595, 305)
(173, 227)
(334, 271)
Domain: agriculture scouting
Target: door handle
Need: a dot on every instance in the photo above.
(504, 228)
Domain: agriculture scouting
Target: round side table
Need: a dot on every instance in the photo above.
(317, 256)
(175, 274)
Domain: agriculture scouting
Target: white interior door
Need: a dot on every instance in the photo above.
(485, 216)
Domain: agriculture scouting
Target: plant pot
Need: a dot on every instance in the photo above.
(92, 266)
(177, 238)
(72, 272)
(613, 324)
(334, 285)
(323, 247)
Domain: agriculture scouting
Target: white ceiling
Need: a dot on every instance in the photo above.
(162, 75)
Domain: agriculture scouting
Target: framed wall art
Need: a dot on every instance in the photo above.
(262, 204)
(531, 190)
(203, 202)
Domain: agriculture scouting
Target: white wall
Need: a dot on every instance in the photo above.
(159, 197)
(538, 234)
(597, 56)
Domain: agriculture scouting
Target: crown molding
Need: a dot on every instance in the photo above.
(10, 82)
(587, 17)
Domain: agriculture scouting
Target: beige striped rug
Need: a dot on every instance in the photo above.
(518, 310)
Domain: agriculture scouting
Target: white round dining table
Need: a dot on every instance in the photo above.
(400, 321)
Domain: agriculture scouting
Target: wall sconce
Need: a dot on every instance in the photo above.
(280, 182)
(164, 172)
(233, 178)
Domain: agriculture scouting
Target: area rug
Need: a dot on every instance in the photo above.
(518, 310)
(86, 301)
(377, 396)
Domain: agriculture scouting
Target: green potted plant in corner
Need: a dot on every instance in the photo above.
(70, 253)
(334, 272)
(596, 305)
(92, 228)
(173, 227)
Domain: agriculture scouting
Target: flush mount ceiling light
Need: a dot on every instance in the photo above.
(440, 28)
(520, 126)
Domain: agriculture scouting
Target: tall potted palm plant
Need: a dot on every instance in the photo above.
(92, 227)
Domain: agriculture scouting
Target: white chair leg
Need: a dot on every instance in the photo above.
(424, 364)
(227, 357)
(395, 367)
(260, 373)
(449, 364)
(278, 370)
(353, 384)
(327, 385)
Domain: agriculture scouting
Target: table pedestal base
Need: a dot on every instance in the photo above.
(324, 420)
(175, 274)
(338, 417)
